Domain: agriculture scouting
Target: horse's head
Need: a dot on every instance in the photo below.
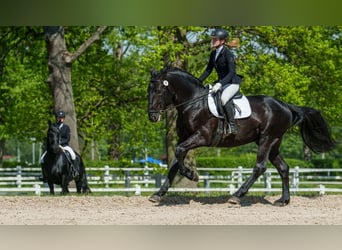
(53, 138)
(158, 95)
(171, 86)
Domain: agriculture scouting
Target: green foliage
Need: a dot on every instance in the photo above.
(299, 65)
(24, 97)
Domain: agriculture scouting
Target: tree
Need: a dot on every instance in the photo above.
(23, 101)
(59, 63)
(299, 65)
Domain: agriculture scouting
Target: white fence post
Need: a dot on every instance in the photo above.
(146, 177)
(240, 168)
(231, 189)
(106, 176)
(295, 180)
(321, 189)
(268, 179)
(37, 189)
(137, 190)
(206, 180)
(19, 176)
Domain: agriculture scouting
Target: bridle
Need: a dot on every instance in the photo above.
(55, 134)
(190, 101)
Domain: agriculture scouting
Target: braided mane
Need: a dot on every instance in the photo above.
(174, 70)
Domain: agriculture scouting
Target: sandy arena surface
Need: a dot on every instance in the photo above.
(173, 210)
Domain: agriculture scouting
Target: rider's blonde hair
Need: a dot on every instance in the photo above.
(234, 43)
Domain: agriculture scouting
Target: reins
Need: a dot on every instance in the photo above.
(191, 101)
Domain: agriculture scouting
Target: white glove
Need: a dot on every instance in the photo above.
(217, 86)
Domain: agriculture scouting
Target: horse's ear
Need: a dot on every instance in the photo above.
(152, 71)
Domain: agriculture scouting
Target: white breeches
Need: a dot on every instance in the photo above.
(42, 157)
(229, 92)
(71, 152)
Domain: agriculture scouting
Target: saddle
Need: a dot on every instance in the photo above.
(68, 156)
(241, 103)
(218, 103)
(74, 171)
(242, 110)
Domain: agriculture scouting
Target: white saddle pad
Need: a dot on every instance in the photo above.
(71, 152)
(244, 110)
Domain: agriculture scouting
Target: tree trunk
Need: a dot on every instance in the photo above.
(114, 142)
(59, 62)
(171, 143)
(171, 118)
(59, 79)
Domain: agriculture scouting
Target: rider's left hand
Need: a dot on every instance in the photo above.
(217, 87)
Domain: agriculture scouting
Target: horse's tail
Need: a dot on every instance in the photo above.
(83, 175)
(314, 130)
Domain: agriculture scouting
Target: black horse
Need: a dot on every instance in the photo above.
(56, 167)
(197, 127)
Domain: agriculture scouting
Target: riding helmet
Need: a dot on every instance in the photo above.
(60, 114)
(220, 33)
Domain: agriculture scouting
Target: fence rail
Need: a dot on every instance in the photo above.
(146, 179)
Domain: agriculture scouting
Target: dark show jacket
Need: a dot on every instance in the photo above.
(64, 133)
(224, 66)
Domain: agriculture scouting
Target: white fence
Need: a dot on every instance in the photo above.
(137, 180)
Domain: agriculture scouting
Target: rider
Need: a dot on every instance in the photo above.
(228, 81)
(64, 130)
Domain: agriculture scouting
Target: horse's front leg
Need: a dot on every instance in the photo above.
(156, 197)
(64, 184)
(183, 170)
(51, 187)
(194, 141)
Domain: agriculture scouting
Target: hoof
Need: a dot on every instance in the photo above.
(195, 177)
(86, 191)
(155, 198)
(281, 203)
(234, 200)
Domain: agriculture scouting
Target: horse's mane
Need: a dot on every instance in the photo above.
(182, 73)
(53, 127)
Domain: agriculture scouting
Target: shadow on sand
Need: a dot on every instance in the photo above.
(187, 199)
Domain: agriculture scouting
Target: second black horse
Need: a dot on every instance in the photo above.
(56, 167)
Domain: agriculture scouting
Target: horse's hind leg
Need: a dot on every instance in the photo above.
(156, 197)
(78, 186)
(283, 170)
(259, 169)
(52, 188)
(82, 185)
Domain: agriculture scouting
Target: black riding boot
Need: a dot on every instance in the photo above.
(229, 111)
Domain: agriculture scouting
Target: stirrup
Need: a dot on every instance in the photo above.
(228, 130)
(233, 131)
